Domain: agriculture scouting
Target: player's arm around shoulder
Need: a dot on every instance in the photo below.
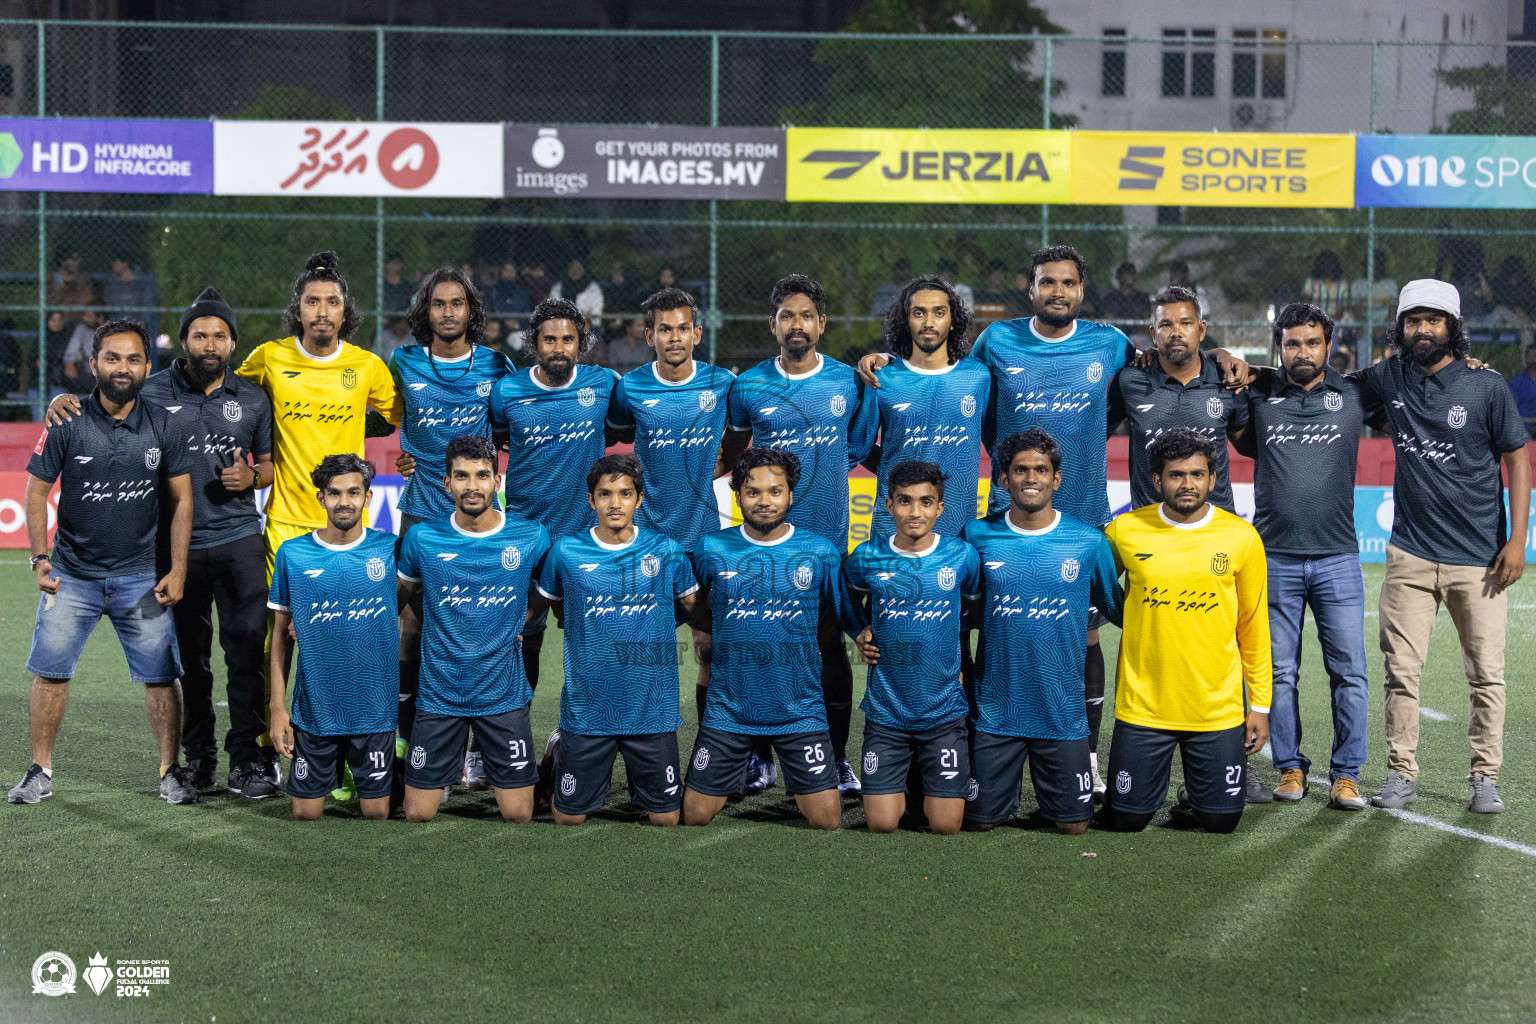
(383, 396)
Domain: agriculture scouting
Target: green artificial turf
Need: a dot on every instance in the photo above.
(1305, 914)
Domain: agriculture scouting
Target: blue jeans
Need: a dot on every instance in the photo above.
(1334, 588)
(65, 621)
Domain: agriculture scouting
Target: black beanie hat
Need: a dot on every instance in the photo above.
(209, 303)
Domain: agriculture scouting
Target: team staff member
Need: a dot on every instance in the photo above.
(1196, 626)
(1452, 426)
(226, 418)
(111, 464)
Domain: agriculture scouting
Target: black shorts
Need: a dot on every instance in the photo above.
(315, 771)
(719, 763)
(584, 772)
(1058, 769)
(437, 749)
(942, 754)
(1141, 759)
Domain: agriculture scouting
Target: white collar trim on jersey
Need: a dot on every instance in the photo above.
(766, 543)
(929, 373)
(1052, 341)
(1008, 518)
(820, 362)
(550, 387)
(307, 354)
(615, 547)
(1210, 510)
(470, 355)
(453, 518)
(340, 547)
(675, 383)
(915, 554)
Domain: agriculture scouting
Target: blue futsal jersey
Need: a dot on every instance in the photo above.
(914, 610)
(441, 399)
(677, 436)
(474, 601)
(555, 434)
(826, 418)
(764, 600)
(620, 631)
(939, 416)
(1038, 585)
(342, 599)
(1062, 386)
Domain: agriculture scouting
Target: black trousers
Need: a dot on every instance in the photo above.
(233, 578)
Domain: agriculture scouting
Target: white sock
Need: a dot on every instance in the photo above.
(1093, 760)
(47, 771)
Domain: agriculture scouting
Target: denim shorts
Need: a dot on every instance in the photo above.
(145, 629)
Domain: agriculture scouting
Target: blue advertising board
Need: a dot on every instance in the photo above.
(1373, 524)
(66, 155)
(1477, 171)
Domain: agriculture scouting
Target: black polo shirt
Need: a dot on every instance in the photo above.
(1307, 444)
(237, 414)
(110, 473)
(1449, 430)
(1153, 403)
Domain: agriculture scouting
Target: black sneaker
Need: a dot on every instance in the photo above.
(203, 772)
(176, 787)
(34, 786)
(273, 765)
(251, 781)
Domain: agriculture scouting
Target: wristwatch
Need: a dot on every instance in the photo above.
(39, 558)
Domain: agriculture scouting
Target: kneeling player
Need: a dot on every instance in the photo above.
(1196, 624)
(914, 705)
(619, 585)
(1041, 570)
(334, 585)
(469, 576)
(764, 589)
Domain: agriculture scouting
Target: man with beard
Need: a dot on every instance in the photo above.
(1452, 427)
(111, 463)
(816, 407)
(224, 418)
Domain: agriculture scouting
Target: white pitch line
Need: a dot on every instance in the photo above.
(1433, 715)
(1441, 826)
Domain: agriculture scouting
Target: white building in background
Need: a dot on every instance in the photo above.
(1262, 65)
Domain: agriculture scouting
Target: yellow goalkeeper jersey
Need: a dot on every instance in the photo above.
(1196, 620)
(319, 406)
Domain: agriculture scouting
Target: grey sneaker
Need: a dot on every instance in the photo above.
(1397, 790)
(1485, 796)
(176, 787)
(251, 781)
(36, 784)
(1255, 792)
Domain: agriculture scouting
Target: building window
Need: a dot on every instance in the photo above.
(1189, 62)
(1112, 63)
(1258, 63)
(1202, 62)
(1175, 43)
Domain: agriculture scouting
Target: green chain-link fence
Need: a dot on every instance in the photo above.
(58, 251)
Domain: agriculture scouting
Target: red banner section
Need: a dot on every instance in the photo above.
(13, 508)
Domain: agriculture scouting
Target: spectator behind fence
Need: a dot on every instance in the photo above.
(56, 340)
(1324, 287)
(1342, 359)
(901, 273)
(1178, 276)
(1523, 386)
(69, 285)
(1127, 302)
(1513, 294)
(495, 335)
(77, 354)
(1021, 301)
(1461, 262)
(132, 294)
(507, 296)
(398, 289)
(397, 332)
(581, 288)
(628, 351)
(1380, 295)
(538, 280)
(948, 271)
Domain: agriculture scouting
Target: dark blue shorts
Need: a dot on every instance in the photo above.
(942, 753)
(1058, 769)
(436, 760)
(316, 771)
(719, 763)
(584, 772)
(1141, 760)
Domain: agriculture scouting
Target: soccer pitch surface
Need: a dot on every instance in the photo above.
(1303, 914)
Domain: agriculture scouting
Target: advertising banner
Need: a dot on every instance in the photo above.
(58, 155)
(1212, 169)
(356, 158)
(878, 165)
(1481, 171)
(644, 163)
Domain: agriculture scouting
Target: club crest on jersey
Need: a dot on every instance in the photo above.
(1219, 563)
(511, 558)
(947, 578)
(483, 389)
(701, 759)
(1457, 417)
(232, 411)
(1069, 569)
(1095, 372)
(804, 577)
(418, 758)
(1213, 407)
(587, 397)
(651, 566)
(1334, 401)
(376, 569)
(300, 768)
(1123, 783)
(871, 762)
(349, 379)
(968, 406)
(567, 784)
(839, 405)
(706, 401)
(152, 458)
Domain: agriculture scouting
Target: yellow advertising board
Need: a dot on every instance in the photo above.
(881, 165)
(1212, 169)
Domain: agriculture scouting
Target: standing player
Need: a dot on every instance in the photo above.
(1041, 572)
(617, 586)
(804, 403)
(469, 573)
(333, 587)
(767, 589)
(1196, 627)
(914, 706)
(111, 463)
